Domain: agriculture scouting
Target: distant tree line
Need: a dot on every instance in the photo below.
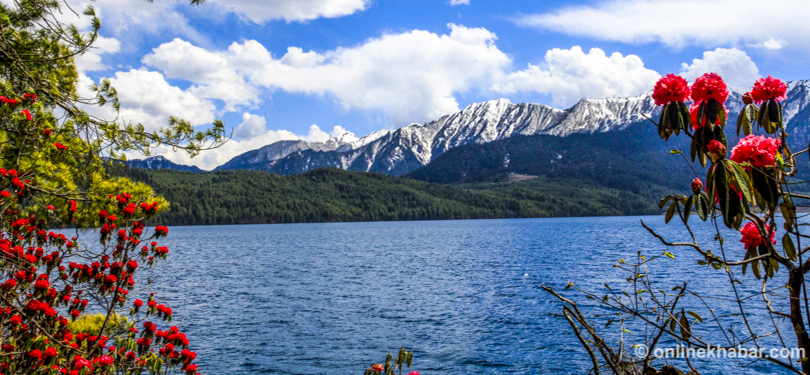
(334, 195)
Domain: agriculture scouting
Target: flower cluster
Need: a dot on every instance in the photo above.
(756, 150)
(671, 88)
(54, 283)
(768, 89)
(751, 236)
(709, 86)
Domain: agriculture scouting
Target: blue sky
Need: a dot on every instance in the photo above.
(311, 69)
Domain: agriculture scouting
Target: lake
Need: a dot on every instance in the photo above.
(464, 295)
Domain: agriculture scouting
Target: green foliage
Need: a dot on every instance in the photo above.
(91, 324)
(58, 157)
(334, 195)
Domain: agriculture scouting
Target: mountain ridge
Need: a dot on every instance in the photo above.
(401, 151)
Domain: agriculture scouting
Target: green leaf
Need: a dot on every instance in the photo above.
(686, 332)
(670, 212)
(755, 268)
(665, 200)
(722, 188)
(788, 211)
(743, 182)
(662, 122)
(702, 207)
(695, 315)
(687, 209)
(789, 247)
(667, 253)
(774, 114)
(687, 118)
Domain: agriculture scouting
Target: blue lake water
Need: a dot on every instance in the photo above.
(464, 295)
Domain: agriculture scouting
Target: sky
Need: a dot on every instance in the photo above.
(314, 69)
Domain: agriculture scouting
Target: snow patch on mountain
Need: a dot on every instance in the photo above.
(405, 149)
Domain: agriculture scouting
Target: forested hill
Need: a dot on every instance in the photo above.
(333, 195)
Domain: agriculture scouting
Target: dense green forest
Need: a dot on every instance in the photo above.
(334, 195)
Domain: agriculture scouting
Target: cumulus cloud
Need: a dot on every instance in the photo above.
(259, 11)
(215, 76)
(147, 98)
(252, 126)
(413, 75)
(736, 68)
(571, 74)
(678, 23)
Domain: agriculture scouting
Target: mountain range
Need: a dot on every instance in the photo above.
(407, 149)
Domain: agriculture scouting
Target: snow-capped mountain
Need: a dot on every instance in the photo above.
(159, 162)
(397, 152)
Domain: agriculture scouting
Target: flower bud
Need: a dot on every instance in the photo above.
(716, 151)
(696, 185)
(747, 98)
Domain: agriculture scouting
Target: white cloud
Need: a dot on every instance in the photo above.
(214, 74)
(338, 130)
(259, 11)
(252, 126)
(570, 74)
(681, 22)
(736, 68)
(133, 20)
(772, 43)
(459, 2)
(413, 75)
(148, 99)
(91, 59)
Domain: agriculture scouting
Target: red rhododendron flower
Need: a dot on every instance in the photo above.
(50, 352)
(149, 326)
(671, 88)
(161, 230)
(27, 114)
(47, 132)
(377, 367)
(769, 88)
(60, 146)
(709, 86)
(751, 236)
(36, 354)
(716, 150)
(105, 360)
(413, 373)
(757, 150)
